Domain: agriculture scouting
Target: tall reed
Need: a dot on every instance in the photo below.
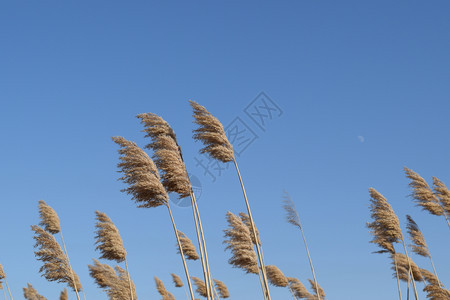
(114, 281)
(55, 267)
(110, 244)
(424, 196)
(211, 133)
(276, 277)
(319, 293)
(144, 185)
(169, 160)
(298, 289)
(3, 276)
(293, 218)
(222, 288)
(443, 193)
(166, 295)
(419, 246)
(50, 222)
(30, 293)
(434, 288)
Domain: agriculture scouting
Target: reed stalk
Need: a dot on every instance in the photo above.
(4, 293)
(410, 269)
(9, 291)
(70, 267)
(398, 280)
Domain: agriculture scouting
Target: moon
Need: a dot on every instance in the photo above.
(361, 138)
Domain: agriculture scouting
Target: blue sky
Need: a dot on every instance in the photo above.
(362, 91)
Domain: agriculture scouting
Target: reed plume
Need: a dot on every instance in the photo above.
(276, 277)
(298, 289)
(434, 288)
(222, 289)
(244, 217)
(49, 218)
(114, 281)
(30, 293)
(424, 196)
(404, 267)
(211, 133)
(145, 185)
(169, 160)
(239, 241)
(319, 293)
(201, 286)
(293, 218)
(55, 267)
(385, 228)
(50, 223)
(3, 276)
(110, 244)
(162, 290)
(64, 295)
(177, 280)
(443, 193)
(187, 246)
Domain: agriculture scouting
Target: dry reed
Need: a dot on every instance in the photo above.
(201, 286)
(403, 267)
(244, 217)
(108, 239)
(276, 277)
(166, 295)
(222, 289)
(298, 289)
(187, 246)
(434, 288)
(169, 160)
(30, 293)
(177, 280)
(114, 281)
(64, 295)
(443, 193)
(49, 218)
(419, 245)
(3, 276)
(56, 267)
(293, 218)
(141, 175)
(319, 293)
(422, 193)
(240, 243)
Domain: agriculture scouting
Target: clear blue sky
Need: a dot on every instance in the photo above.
(363, 87)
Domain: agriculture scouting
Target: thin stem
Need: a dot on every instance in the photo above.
(199, 239)
(84, 294)
(262, 284)
(9, 291)
(398, 280)
(70, 267)
(181, 252)
(4, 293)
(211, 287)
(434, 269)
(410, 268)
(263, 269)
(129, 279)
(292, 292)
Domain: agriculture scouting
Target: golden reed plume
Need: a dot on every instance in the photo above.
(201, 286)
(162, 290)
(442, 192)
(3, 276)
(298, 289)
(276, 277)
(187, 246)
(177, 280)
(222, 289)
(49, 218)
(30, 293)
(64, 295)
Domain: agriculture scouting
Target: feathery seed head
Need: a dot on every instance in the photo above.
(422, 193)
(246, 220)
(49, 218)
(64, 295)
(201, 287)
(167, 154)
(188, 247)
(240, 243)
(2, 272)
(318, 292)
(419, 245)
(140, 173)
(276, 277)
(299, 289)
(177, 280)
(211, 134)
(403, 267)
(108, 239)
(441, 191)
(222, 289)
(30, 293)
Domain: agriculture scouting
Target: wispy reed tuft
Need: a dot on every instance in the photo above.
(276, 277)
(419, 245)
(167, 154)
(211, 134)
(422, 193)
(244, 217)
(201, 286)
(64, 295)
(434, 288)
(177, 280)
(318, 292)
(108, 239)
(403, 267)
(187, 246)
(239, 241)
(222, 289)
(443, 193)
(114, 281)
(56, 267)
(140, 173)
(298, 289)
(30, 293)
(162, 290)
(49, 218)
